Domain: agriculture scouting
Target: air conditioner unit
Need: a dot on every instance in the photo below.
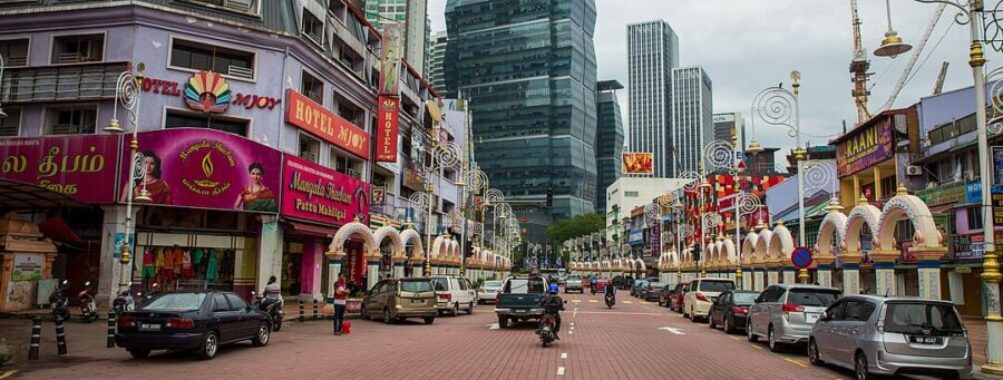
(913, 170)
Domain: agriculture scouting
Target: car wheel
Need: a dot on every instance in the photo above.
(502, 322)
(470, 308)
(860, 367)
(139, 353)
(456, 309)
(210, 344)
(710, 321)
(727, 326)
(813, 356)
(362, 313)
(772, 340)
(386, 317)
(263, 335)
(750, 334)
(429, 320)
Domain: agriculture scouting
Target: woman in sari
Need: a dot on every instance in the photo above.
(256, 196)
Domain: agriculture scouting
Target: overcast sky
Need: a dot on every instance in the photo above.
(748, 45)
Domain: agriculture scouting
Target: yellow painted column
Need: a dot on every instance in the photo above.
(878, 192)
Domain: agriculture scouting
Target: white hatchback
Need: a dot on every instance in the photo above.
(488, 292)
(452, 294)
(703, 292)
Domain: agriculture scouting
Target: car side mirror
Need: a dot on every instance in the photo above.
(824, 316)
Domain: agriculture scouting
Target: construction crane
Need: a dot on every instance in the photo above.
(915, 56)
(939, 85)
(859, 67)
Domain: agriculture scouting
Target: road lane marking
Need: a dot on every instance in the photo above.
(798, 362)
(493, 326)
(576, 301)
(571, 332)
(607, 312)
(593, 301)
(560, 371)
(628, 302)
(564, 355)
(672, 330)
(757, 347)
(734, 337)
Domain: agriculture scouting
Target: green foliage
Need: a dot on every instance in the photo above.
(579, 225)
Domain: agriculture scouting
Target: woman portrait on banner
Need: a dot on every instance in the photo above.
(256, 196)
(151, 181)
(390, 67)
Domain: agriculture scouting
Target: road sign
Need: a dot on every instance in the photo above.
(801, 258)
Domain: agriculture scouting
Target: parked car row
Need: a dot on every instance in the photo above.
(868, 334)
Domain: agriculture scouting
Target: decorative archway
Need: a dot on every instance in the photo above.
(749, 246)
(728, 254)
(350, 230)
(357, 261)
(397, 257)
(639, 266)
(418, 249)
(861, 214)
(779, 252)
(831, 232)
(764, 237)
(927, 245)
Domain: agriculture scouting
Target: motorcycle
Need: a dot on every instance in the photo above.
(593, 286)
(124, 301)
(272, 307)
(59, 303)
(88, 307)
(610, 301)
(546, 330)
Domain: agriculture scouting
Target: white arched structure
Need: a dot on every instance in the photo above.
(418, 249)
(780, 249)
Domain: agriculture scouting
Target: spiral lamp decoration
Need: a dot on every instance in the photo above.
(748, 204)
(720, 155)
(775, 106)
(819, 175)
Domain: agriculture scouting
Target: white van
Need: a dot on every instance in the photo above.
(453, 293)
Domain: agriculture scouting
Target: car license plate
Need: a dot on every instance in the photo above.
(149, 327)
(810, 317)
(521, 310)
(926, 340)
(417, 301)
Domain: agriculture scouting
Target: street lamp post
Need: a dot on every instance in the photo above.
(968, 11)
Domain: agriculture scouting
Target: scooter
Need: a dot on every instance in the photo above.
(59, 303)
(124, 301)
(546, 330)
(271, 307)
(610, 301)
(88, 307)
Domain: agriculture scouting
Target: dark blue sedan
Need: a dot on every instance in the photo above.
(191, 321)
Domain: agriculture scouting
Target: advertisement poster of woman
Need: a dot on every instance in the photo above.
(257, 196)
(159, 191)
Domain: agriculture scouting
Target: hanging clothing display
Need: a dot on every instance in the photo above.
(212, 266)
(181, 268)
(148, 270)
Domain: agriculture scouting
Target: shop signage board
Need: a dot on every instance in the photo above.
(997, 152)
(636, 236)
(413, 179)
(64, 164)
(390, 59)
(303, 113)
(655, 237)
(319, 194)
(206, 168)
(865, 148)
(27, 267)
(387, 129)
(208, 92)
(944, 194)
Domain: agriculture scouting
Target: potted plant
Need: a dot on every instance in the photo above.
(354, 302)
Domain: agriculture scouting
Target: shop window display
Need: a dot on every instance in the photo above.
(185, 268)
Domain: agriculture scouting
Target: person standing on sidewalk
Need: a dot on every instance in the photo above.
(340, 298)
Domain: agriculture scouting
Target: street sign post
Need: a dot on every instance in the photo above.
(801, 258)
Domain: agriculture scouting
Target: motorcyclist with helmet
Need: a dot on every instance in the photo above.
(553, 305)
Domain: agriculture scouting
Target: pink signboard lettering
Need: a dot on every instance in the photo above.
(82, 167)
(315, 193)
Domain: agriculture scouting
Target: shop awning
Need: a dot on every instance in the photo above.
(810, 211)
(941, 209)
(313, 229)
(16, 195)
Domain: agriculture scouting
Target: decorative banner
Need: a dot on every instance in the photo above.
(390, 61)
(387, 129)
(309, 116)
(27, 267)
(313, 192)
(865, 147)
(997, 154)
(206, 168)
(655, 238)
(638, 163)
(65, 164)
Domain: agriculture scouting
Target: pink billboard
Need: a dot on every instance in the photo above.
(316, 193)
(205, 168)
(82, 167)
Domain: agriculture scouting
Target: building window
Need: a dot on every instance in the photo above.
(11, 125)
(342, 163)
(888, 187)
(70, 120)
(197, 56)
(77, 48)
(243, 6)
(313, 28)
(14, 52)
(974, 218)
(312, 87)
(189, 120)
(309, 148)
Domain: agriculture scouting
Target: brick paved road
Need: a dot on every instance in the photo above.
(621, 343)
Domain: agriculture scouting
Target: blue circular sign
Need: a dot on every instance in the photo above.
(801, 258)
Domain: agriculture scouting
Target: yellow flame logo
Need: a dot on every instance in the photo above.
(207, 165)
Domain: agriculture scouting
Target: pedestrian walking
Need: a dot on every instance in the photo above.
(340, 298)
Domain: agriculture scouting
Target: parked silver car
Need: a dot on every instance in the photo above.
(785, 313)
(892, 336)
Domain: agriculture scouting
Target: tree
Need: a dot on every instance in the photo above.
(576, 226)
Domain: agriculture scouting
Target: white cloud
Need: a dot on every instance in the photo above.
(748, 45)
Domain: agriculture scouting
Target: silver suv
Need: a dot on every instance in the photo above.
(785, 313)
(892, 336)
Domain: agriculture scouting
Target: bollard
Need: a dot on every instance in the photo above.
(36, 337)
(301, 311)
(60, 335)
(315, 316)
(111, 329)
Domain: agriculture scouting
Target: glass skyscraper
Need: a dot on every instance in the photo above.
(529, 69)
(692, 116)
(652, 53)
(609, 140)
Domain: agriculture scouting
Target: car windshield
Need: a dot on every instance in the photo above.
(415, 286)
(655, 285)
(492, 284)
(812, 297)
(176, 302)
(716, 286)
(441, 283)
(921, 318)
(744, 298)
(574, 278)
(525, 286)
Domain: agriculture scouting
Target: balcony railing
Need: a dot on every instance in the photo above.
(61, 83)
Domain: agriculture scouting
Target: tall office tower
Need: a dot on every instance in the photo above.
(652, 53)
(609, 140)
(436, 70)
(414, 15)
(529, 70)
(692, 116)
(730, 127)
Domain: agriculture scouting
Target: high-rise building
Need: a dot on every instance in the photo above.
(414, 15)
(692, 118)
(730, 127)
(652, 53)
(436, 70)
(530, 74)
(609, 140)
